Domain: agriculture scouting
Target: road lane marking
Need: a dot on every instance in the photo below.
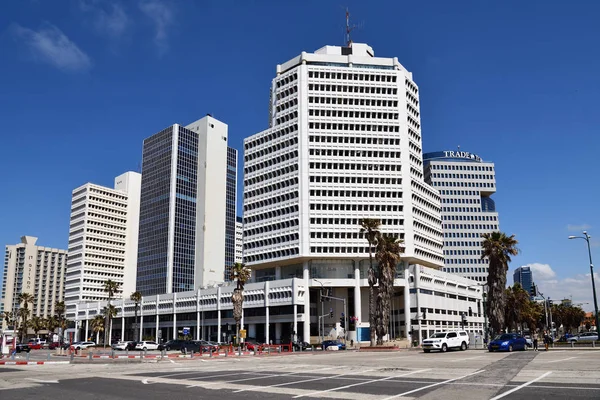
(42, 380)
(303, 381)
(361, 383)
(147, 381)
(563, 359)
(521, 386)
(434, 384)
(256, 377)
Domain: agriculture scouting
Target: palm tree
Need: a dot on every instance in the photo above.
(109, 313)
(136, 297)
(9, 317)
(37, 324)
(25, 299)
(111, 288)
(388, 253)
(97, 324)
(60, 309)
(370, 231)
(52, 323)
(497, 248)
(23, 314)
(241, 274)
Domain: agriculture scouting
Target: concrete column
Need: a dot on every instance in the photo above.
(123, 325)
(407, 310)
(267, 324)
(198, 325)
(242, 320)
(87, 329)
(252, 330)
(141, 329)
(357, 299)
(419, 316)
(306, 276)
(295, 303)
(219, 339)
(174, 316)
(156, 338)
(277, 273)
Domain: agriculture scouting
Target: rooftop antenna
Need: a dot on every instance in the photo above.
(349, 29)
(459, 147)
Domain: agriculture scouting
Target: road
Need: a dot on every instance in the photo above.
(477, 375)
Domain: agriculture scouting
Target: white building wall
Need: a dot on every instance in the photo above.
(211, 200)
(102, 240)
(239, 242)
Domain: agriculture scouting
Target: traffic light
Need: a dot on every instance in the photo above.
(533, 291)
(470, 312)
(331, 313)
(343, 322)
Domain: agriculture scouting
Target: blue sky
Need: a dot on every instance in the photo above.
(82, 83)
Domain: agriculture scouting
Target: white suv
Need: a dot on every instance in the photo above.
(443, 341)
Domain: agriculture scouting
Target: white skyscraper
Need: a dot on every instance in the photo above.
(344, 143)
(103, 238)
(37, 270)
(466, 184)
(239, 240)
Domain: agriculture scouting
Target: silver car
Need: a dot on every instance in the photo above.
(584, 337)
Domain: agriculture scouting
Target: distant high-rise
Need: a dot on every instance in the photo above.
(466, 184)
(230, 212)
(37, 270)
(524, 277)
(183, 208)
(103, 239)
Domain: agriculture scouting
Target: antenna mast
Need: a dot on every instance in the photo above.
(349, 29)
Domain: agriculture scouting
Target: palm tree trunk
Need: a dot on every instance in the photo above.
(135, 330)
(371, 297)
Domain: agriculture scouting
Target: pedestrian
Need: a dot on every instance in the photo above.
(547, 340)
(535, 341)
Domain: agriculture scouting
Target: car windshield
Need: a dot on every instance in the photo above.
(505, 336)
(438, 335)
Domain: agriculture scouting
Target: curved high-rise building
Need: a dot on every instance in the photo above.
(466, 184)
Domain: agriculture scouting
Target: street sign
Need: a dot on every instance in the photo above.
(243, 333)
(186, 331)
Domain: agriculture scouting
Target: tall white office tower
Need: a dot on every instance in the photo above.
(183, 207)
(466, 184)
(344, 143)
(103, 239)
(239, 240)
(37, 270)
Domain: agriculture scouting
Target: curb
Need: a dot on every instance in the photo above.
(32, 362)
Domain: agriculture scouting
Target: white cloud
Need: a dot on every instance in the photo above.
(52, 46)
(162, 17)
(109, 18)
(578, 228)
(541, 271)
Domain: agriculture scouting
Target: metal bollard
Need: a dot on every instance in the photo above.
(226, 352)
(572, 344)
(211, 353)
(48, 357)
(279, 349)
(127, 353)
(240, 351)
(112, 353)
(72, 357)
(27, 356)
(90, 355)
(269, 349)
(593, 343)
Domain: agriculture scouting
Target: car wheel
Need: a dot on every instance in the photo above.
(167, 348)
(463, 346)
(444, 348)
(145, 349)
(426, 351)
(510, 348)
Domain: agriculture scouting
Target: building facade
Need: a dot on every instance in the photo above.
(103, 239)
(230, 212)
(466, 184)
(183, 208)
(524, 277)
(37, 270)
(275, 310)
(239, 240)
(344, 143)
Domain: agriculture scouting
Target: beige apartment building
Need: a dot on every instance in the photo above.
(33, 269)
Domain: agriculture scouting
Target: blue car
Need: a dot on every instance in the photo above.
(333, 343)
(508, 342)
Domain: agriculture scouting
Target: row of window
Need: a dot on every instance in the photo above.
(271, 241)
(273, 161)
(466, 184)
(355, 179)
(357, 140)
(272, 255)
(353, 221)
(460, 167)
(355, 207)
(270, 228)
(463, 176)
(352, 76)
(272, 149)
(271, 137)
(354, 153)
(466, 261)
(270, 188)
(270, 201)
(358, 167)
(356, 193)
(462, 252)
(271, 214)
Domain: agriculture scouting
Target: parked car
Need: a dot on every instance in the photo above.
(304, 346)
(176, 344)
(443, 341)
(21, 347)
(54, 345)
(83, 345)
(146, 345)
(34, 345)
(120, 345)
(584, 337)
(333, 343)
(508, 342)
(206, 345)
(67, 345)
(528, 340)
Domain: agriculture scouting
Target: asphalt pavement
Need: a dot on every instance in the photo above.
(346, 375)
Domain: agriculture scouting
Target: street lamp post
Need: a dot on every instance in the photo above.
(321, 320)
(586, 237)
